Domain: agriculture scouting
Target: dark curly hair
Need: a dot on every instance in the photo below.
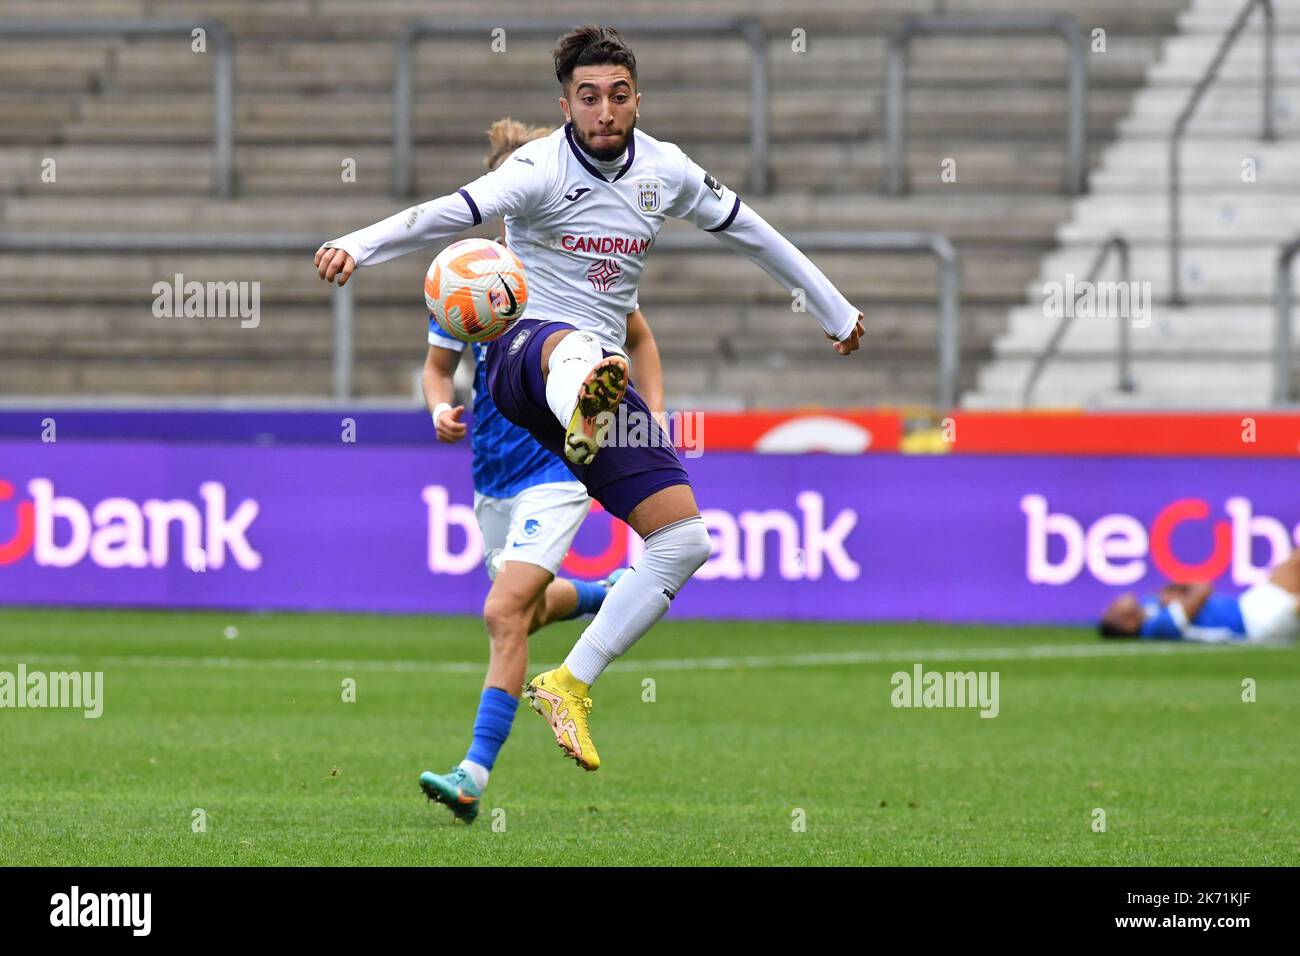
(591, 45)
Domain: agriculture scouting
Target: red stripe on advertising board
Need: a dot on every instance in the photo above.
(1227, 434)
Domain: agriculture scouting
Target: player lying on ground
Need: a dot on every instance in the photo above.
(582, 208)
(1268, 611)
(529, 508)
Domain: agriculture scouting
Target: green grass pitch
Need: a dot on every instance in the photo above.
(755, 728)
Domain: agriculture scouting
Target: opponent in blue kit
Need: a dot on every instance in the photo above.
(1267, 611)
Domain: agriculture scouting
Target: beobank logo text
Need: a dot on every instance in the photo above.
(1119, 549)
(807, 544)
(60, 531)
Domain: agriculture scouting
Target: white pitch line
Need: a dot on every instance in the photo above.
(918, 655)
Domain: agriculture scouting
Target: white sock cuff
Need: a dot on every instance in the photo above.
(589, 658)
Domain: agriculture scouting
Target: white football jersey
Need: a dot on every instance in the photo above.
(583, 229)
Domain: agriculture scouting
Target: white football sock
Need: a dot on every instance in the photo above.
(640, 596)
(571, 360)
(477, 772)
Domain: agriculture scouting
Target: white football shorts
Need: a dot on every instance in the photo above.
(1270, 612)
(536, 526)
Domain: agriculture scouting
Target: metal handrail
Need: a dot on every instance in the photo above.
(935, 244)
(1121, 247)
(1067, 27)
(1180, 126)
(344, 308)
(751, 29)
(131, 242)
(223, 73)
(1282, 327)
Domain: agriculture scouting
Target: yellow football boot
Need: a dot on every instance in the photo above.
(599, 396)
(562, 699)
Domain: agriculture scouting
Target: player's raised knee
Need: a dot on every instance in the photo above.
(696, 545)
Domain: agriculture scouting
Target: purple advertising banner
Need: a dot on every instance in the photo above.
(818, 537)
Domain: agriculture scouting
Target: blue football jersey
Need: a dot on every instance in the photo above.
(1218, 620)
(506, 458)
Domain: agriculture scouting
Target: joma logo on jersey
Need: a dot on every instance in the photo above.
(605, 245)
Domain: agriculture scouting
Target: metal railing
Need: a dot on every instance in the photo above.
(909, 28)
(1268, 133)
(120, 243)
(934, 244)
(1282, 393)
(751, 29)
(223, 72)
(1120, 246)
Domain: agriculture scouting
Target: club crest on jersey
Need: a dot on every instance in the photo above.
(648, 194)
(713, 184)
(517, 342)
(531, 527)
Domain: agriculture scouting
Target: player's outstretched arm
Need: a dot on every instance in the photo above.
(753, 237)
(408, 231)
(513, 188)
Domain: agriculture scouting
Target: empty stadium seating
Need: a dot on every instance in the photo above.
(1216, 351)
(128, 123)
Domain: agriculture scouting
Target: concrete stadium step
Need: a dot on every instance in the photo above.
(835, 381)
(751, 333)
(1111, 398)
(670, 278)
(1187, 58)
(1253, 213)
(1169, 331)
(342, 18)
(1173, 381)
(202, 378)
(331, 18)
(1223, 110)
(71, 65)
(1242, 272)
(356, 117)
(274, 170)
(990, 217)
(448, 65)
(1216, 16)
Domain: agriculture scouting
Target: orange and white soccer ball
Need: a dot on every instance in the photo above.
(476, 290)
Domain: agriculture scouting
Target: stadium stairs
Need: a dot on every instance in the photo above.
(129, 123)
(1216, 351)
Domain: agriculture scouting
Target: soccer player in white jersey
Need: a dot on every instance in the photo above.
(529, 507)
(582, 208)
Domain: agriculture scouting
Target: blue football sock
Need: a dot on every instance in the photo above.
(496, 712)
(590, 596)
